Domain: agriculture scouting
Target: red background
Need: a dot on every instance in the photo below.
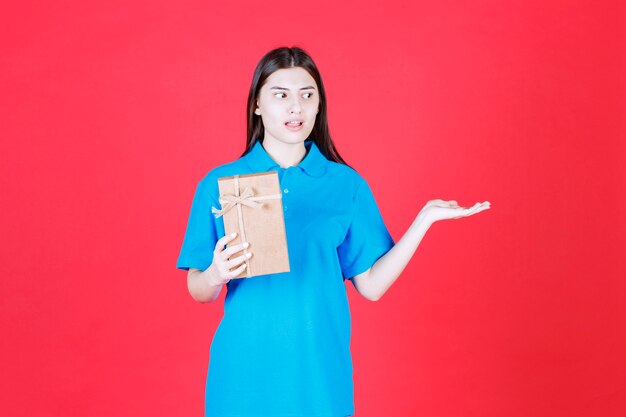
(112, 112)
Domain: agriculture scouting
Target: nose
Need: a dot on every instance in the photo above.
(294, 106)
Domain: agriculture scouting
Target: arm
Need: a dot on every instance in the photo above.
(205, 286)
(202, 286)
(374, 282)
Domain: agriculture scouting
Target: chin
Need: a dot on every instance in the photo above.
(296, 137)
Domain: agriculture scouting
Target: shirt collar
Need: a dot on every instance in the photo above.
(314, 163)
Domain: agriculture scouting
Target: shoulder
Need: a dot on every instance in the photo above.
(208, 182)
(345, 176)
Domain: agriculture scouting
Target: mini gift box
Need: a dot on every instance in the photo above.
(252, 206)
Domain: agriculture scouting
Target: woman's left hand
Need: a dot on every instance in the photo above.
(436, 210)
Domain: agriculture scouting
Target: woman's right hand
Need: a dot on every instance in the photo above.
(222, 266)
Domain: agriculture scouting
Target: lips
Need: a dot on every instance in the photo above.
(294, 124)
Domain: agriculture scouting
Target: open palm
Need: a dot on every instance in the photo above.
(436, 210)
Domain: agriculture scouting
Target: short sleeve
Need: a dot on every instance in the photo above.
(367, 238)
(201, 234)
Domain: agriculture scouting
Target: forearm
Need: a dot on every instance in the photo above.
(201, 285)
(387, 269)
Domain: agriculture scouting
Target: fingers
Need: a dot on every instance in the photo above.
(468, 211)
(219, 245)
(222, 261)
(233, 274)
(228, 252)
(443, 203)
(225, 253)
(477, 208)
(239, 259)
(225, 273)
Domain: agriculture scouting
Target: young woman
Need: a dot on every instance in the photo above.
(282, 348)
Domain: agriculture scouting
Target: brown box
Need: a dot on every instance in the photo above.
(252, 206)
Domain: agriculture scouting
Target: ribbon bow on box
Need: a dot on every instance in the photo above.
(231, 200)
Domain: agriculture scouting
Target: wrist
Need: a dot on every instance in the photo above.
(422, 221)
(211, 278)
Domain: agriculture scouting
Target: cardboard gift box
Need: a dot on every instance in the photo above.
(252, 206)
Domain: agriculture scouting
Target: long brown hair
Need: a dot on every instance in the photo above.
(274, 60)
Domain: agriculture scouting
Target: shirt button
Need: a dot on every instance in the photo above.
(286, 190)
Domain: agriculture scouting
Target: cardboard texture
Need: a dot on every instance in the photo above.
(252, 206)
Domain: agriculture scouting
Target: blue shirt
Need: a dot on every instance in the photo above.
(282, 348)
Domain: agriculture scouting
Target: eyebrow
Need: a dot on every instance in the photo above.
(308, 87)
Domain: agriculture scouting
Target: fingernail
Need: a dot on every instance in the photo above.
(233, 234)
(246, 244)
(248, 255)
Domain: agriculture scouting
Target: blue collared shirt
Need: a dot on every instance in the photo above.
(282, 348)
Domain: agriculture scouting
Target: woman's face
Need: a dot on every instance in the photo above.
(288, 103)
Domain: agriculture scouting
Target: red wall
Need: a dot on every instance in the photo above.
(112, 112)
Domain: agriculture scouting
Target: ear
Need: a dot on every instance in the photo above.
(257, 111)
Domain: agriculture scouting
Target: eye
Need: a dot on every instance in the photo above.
(309, 95)
(279, 93)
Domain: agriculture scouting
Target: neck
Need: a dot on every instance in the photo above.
(284, 154)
